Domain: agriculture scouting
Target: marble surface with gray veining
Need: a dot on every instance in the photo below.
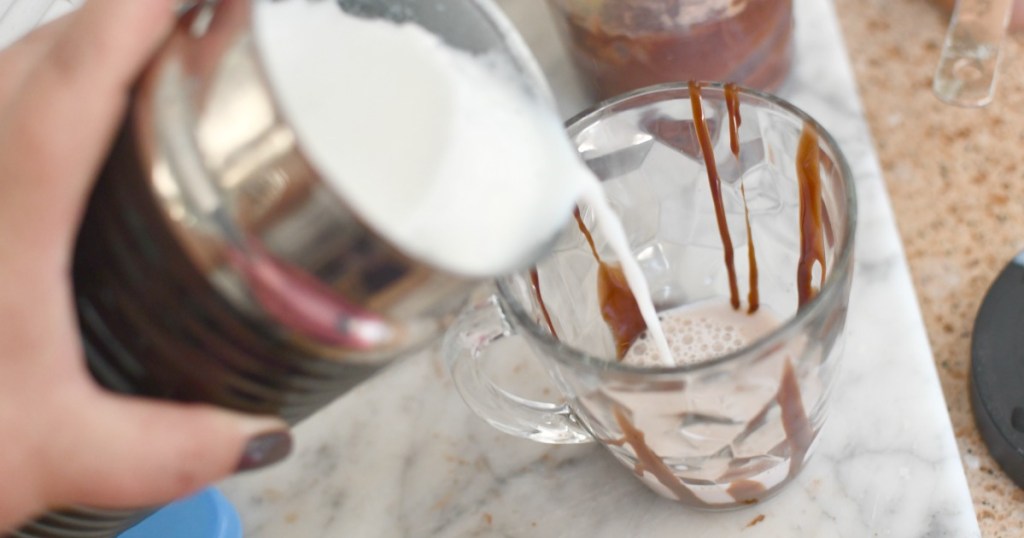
(402, 455)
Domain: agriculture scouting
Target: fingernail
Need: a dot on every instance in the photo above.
(265, 449)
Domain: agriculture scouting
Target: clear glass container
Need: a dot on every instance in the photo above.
(717, 433)
(622, 45)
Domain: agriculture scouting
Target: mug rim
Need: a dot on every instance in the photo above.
(841, 267)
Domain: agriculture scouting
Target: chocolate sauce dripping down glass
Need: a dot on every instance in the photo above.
(732, 104)
(812, 243)
(618, 305)
(715, 183)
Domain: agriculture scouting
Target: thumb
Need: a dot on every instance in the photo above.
(132, 452)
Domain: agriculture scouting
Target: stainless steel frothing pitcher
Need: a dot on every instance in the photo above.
(215, 264)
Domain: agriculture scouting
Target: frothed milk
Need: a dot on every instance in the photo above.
(444, 153)
(702, 331)
(720, 448)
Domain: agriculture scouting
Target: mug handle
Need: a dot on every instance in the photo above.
(466, 347)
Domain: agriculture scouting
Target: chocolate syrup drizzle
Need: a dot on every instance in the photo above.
(619, 308)
(812, 244)
(794, 418)
(732, 104)
(648, 460)
(535, 279)
(746, 491)
(716, 190)
(618, 305)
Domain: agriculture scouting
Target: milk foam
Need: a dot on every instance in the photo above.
(701, 331)
(442, 153)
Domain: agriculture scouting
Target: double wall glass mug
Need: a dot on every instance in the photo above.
(732, 428)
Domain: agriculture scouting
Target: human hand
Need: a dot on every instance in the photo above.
(63, 91)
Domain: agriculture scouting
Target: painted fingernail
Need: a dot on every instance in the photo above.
(265, 449)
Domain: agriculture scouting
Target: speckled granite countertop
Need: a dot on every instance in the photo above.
(956, 179)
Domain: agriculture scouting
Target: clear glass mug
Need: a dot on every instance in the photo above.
(622, 45)
(715, 434)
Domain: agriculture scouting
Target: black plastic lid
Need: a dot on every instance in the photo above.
(997, 370)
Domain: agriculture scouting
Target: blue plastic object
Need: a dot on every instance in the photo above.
(207, 514)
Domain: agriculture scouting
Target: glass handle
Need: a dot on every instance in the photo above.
(466, 348)
(970, 55)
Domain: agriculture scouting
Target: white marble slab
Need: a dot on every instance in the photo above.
(402, 456)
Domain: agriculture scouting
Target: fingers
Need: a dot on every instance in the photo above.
(134, 452)
(18, 60)
(59, 125)
(104, 47)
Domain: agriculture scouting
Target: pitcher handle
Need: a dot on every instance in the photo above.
(466, 347)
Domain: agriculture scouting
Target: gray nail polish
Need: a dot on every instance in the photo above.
(265, 449)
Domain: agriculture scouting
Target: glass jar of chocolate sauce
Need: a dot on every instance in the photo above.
(622, 45)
